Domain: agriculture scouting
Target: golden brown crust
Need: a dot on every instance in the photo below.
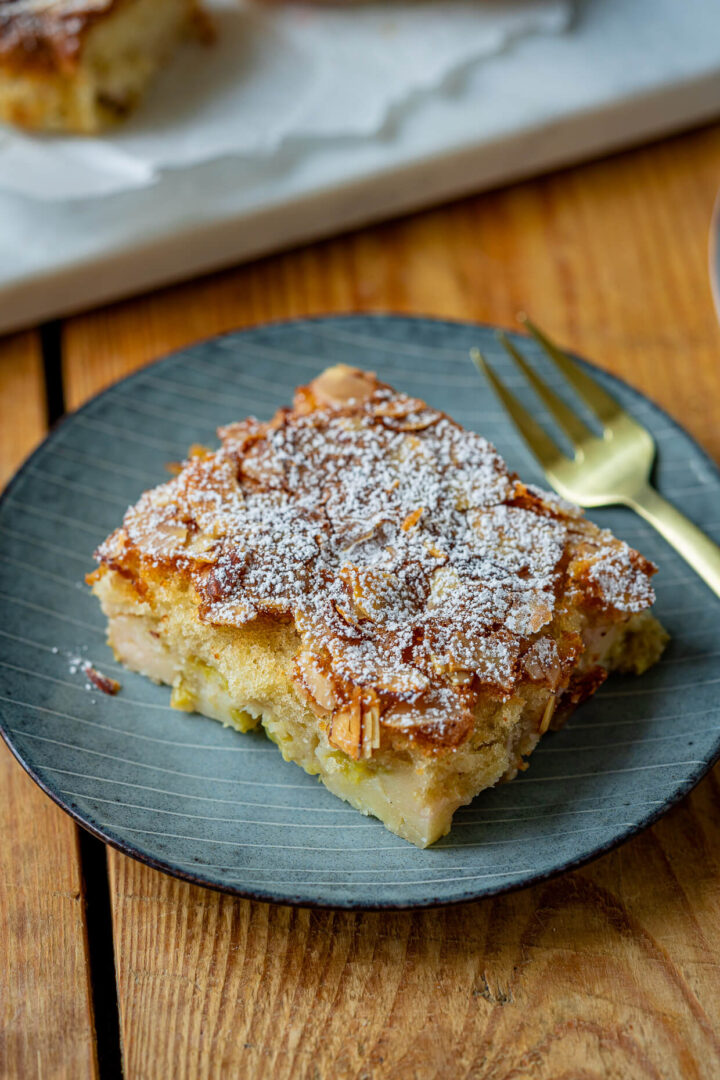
(46, 36)
(82, 65)
(420, 575)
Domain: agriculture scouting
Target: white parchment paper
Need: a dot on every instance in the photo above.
(278, 73)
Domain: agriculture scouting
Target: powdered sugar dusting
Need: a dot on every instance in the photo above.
(414, 566)
(614, 573)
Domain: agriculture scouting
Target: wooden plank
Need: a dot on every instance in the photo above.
(23, 401)
(593, 975)
(610, 971)
(46, 1025)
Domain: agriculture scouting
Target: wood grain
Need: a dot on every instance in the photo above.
(608, 972)
(45, 1018)
(23, 401)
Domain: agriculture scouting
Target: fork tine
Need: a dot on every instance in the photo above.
(576, 431)
(537, 440)
(601, 403)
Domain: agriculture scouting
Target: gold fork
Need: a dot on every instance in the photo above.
(610, 468)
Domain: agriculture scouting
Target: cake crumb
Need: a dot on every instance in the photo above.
(100, 681)
(96, 679)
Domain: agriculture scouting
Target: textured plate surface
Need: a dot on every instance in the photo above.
(192, 798)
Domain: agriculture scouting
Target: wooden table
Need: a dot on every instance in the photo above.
(611, 971)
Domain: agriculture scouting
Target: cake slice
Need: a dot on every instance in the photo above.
(367, 580)
(79, 65)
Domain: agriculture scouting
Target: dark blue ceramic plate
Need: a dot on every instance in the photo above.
(215, 807)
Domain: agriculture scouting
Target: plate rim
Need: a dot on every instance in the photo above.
(288, 898)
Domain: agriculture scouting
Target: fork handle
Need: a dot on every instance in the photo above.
(702, 553)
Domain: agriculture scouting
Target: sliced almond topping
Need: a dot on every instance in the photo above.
(314, 519)
(347, 614)
(435, 551)
(398, 408)
(412, 519)
(169, 538)
(197, 450)
(202, 548)
(370, 723)
(408, 681)
(316, 684)
(445, 581)
(341, 384)
(103, 682)
(460, 677)
(346, 729)
(547, 715)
